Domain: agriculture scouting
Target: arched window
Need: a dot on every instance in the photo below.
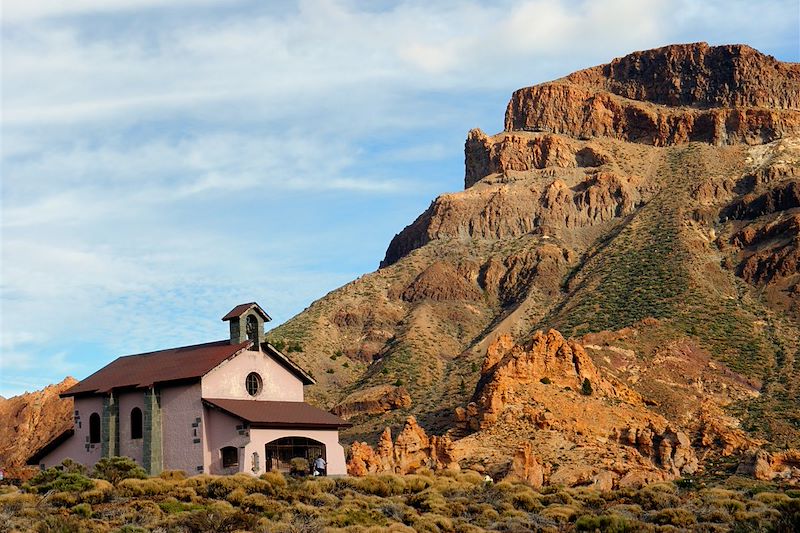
(251, 328)
(136, 423)
(230, 457)
(94, 428)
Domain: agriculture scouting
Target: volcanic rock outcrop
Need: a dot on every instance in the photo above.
(411, 451)
(782, 466)
(547, 359)
(30, 421)
(373, 401)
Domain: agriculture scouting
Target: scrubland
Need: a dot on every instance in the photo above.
(69, 500)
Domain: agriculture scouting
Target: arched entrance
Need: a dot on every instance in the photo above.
(279, 453)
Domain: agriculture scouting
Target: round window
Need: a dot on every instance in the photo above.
(253, 384)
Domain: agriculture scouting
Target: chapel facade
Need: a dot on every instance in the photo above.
(223, 407)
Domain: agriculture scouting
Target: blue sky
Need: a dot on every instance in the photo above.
(165, 160)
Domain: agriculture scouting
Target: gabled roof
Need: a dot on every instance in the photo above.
(50, 446)
(278, 414)
(143, 370)
(288, 364)
(240, 309)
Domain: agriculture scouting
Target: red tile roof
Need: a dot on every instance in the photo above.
(143, 370)
(278, 414)
(243, 308)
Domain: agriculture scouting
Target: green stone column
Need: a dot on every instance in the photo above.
(153, 458)
(109, 429)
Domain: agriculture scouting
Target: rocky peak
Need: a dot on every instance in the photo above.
(699, 75)
(671, 95)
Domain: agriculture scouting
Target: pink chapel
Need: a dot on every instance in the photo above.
(222, 407)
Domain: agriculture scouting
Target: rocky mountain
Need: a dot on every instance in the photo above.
(645, 215)
(30, 421)
(613, 298)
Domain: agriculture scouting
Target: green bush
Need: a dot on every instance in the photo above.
(608, 523)
(54, 479)
(675, 517)
(82, 509)
(57, 523)
(115, 469)
(173, 475)
(298, 466)
(789, 515)
(143, 487)
(586, 387)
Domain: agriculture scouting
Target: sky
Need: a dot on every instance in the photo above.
(165, 160)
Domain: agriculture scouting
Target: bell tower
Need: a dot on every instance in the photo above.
(247, 322)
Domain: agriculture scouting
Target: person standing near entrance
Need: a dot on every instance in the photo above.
(320, 466)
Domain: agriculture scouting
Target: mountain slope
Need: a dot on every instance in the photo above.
(652, 202)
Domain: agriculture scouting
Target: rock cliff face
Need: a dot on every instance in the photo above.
(30, 421)
(373, 401)
(666, 96)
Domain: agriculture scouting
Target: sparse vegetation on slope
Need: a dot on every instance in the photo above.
(452, 502)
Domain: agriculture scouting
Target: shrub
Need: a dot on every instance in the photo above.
(678, 517)
(82, 509)
(526, 501)
(236, 496)
(57, 523)
(115, 469)
(428, 500)
(560, 513)
(586, 387)
(608, 523)
(184, 494)
(655, 497)
(545, 381)
(54, 479)
(63, 499)
(258, 503)
(72, 467)
(274, 478)
(219, 487)
(417, 483)
(143, 512)
(771, 498)
(101, 492)
(143, 487)
(173, 475)
(172, 506)
(14, 502)
(298, 466)
(789, 519)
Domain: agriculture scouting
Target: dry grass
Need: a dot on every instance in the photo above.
(453, 503)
